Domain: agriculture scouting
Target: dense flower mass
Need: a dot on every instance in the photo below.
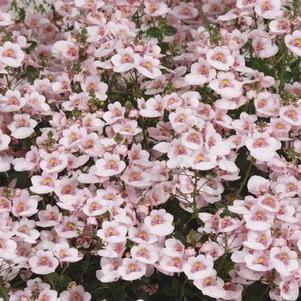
(150, 150)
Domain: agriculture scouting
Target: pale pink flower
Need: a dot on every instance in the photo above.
(141, 235)
(96, 33)
(211, 286)
(109, 166)
(43, 184)
(226, 85)
(289, 289)
(77, 292)
(115, 112)
(94, 207)
(69, 227)
(66, 254)
(259, 261)
(12, 101)
(284, 260)
(22, 126)
(11, 55)
(159, 222)
(25, 229)
(66, 50)
(184, 11)
(112, 232)
(5, 19)
(92, 84)
(136, 177)
(291, 114)
(24, 205)
(43, 262)
(182, 119)
(199, 267)
(37, 102)
(201, 73)
(131, 269)
(147, 254)
(7, 246)
(173, 248)
(124, 60)
(268, 9)
(49, 217)
(155, 8)
(220, 58)
(147, 66)
(4, 141)
(127, 127)
(258, 219)
(108, 272)
(54, 162)
(258, 240)
(280, 26)
(153, 107)
(170, 264)
(47, 294)
(262, 147)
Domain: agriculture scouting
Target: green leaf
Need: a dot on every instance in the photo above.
(154, 32)
(169, 30)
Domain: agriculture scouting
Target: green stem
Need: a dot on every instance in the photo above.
(243, 183)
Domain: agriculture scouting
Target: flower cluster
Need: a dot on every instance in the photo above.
(143, 141)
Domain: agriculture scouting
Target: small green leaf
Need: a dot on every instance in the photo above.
(154, 32)
(169, 30)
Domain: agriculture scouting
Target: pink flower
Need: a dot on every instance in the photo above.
(184, 11)
(289, 289)
(43, 262)
(293, 42)
(7, 246)
(12, 101)
(258, 219)
(77, 292)
(109, 166)
(159, 222)
(43, 184)
(147, 254)
(66, 50)
(258, 240)
(11, 55)
(201, 73)
(155, 8)
(112, 232)
(66, 254)
(199, 267)
(94, 207)
(54, 162)
(291, 114)
(108, 272)
(211, 286)
(147, 66)
(268, 9)
(37, 102)
(22, 126)
(262, 147)
(24, 205)
(49, 217)
(259, 261)
(226, 85)
(4, 141)
(220, 58)
(124, 60)
(131, 269)
(284, 260)
(25, 229)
